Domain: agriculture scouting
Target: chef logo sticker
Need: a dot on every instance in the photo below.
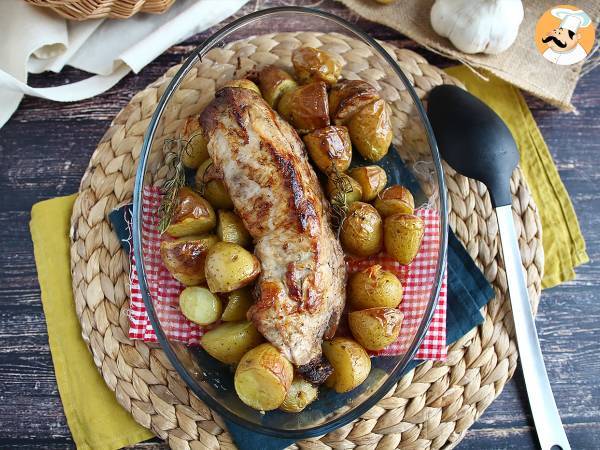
(565, 35)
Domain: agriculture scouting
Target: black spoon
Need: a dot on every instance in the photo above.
(478, 144)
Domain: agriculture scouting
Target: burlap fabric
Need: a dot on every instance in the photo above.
(521, 64)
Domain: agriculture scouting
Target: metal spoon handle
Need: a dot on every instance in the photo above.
(548, 425)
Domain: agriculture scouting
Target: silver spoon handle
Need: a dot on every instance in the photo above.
(548, 425)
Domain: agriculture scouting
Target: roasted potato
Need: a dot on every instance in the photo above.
(361, 231)
(274, 82)
(193, 215)
(263, 378)
(230, 341)
(348, 97)
(375, 328)
(305, 107)
(210, 183)
(343, 189)
(402, 234)
(299, 396)
(330, 148)
(195, 152)
(393, 200)
(229, 267)
(372, 180)
(238, 304)
(185, 257)
(242, 83)
(312, 64)
(200, 305)
(351, 363)
(371, 130)
(374, 287)
(231, 229)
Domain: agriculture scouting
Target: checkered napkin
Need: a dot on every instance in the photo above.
(417, 280)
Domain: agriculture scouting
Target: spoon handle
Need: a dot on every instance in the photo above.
(547, 421)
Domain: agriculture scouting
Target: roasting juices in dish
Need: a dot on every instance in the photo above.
(262, 236)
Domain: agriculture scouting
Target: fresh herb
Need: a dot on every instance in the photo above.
(339, 199)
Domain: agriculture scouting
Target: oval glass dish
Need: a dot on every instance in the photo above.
(269, 37)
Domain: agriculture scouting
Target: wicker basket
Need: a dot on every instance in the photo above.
(98, 9)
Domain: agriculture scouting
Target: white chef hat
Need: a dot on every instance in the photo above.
(570, 19)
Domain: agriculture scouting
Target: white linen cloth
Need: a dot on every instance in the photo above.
(37, 40)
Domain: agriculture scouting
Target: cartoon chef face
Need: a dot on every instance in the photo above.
(561, 39)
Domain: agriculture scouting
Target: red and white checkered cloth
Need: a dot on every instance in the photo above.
(417, 280)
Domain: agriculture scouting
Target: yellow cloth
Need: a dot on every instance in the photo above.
(564, 247)
(96, 420)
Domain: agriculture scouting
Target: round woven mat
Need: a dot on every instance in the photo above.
(431, 407)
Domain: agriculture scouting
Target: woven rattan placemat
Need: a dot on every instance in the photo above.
(431, 407)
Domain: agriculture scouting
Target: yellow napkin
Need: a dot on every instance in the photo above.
(564, 247)
(96, 420)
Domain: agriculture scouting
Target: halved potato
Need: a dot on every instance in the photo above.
(238, 304)
(242, 83)
(348, 97)
(210, 183)
(231, 229)
(195, 151)
(371, 130)
(361, 231)
(300, 395)
(375, 328)
(394, 199)
(263, 378)
(330, 148)
(343, 189)
(374, 287)
(351, 364)
(372, 180)
(185, 257)
(230, 341)
(229, 267)
(193, 215)
(402, 235)
(200, 305)
(274, 82)
(305, 107)
(312, 64)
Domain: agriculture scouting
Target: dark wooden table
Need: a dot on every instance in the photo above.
(45, 148)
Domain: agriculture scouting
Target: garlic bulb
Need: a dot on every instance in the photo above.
(478, 26)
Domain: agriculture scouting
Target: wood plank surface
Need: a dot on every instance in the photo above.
(46, 146)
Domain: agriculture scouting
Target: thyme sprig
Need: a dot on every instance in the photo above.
(339, 199)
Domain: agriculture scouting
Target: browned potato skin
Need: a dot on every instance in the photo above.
(185, 257)
(273, 83)
(351, 364)
(305, 107)
(374, 287)
(393, 200)
(193, 215)
(210, 182)
(372, 180)
(348, 97)
(353, 194)
(312, 64)
(330, 148)
(196, 151)
(362, 231)
(242, 83)
(371, 130)
(402, 236)
(375, 328)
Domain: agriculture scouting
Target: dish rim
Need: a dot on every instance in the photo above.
(393, 377)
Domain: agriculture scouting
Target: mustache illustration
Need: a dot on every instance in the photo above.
(558, 42)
